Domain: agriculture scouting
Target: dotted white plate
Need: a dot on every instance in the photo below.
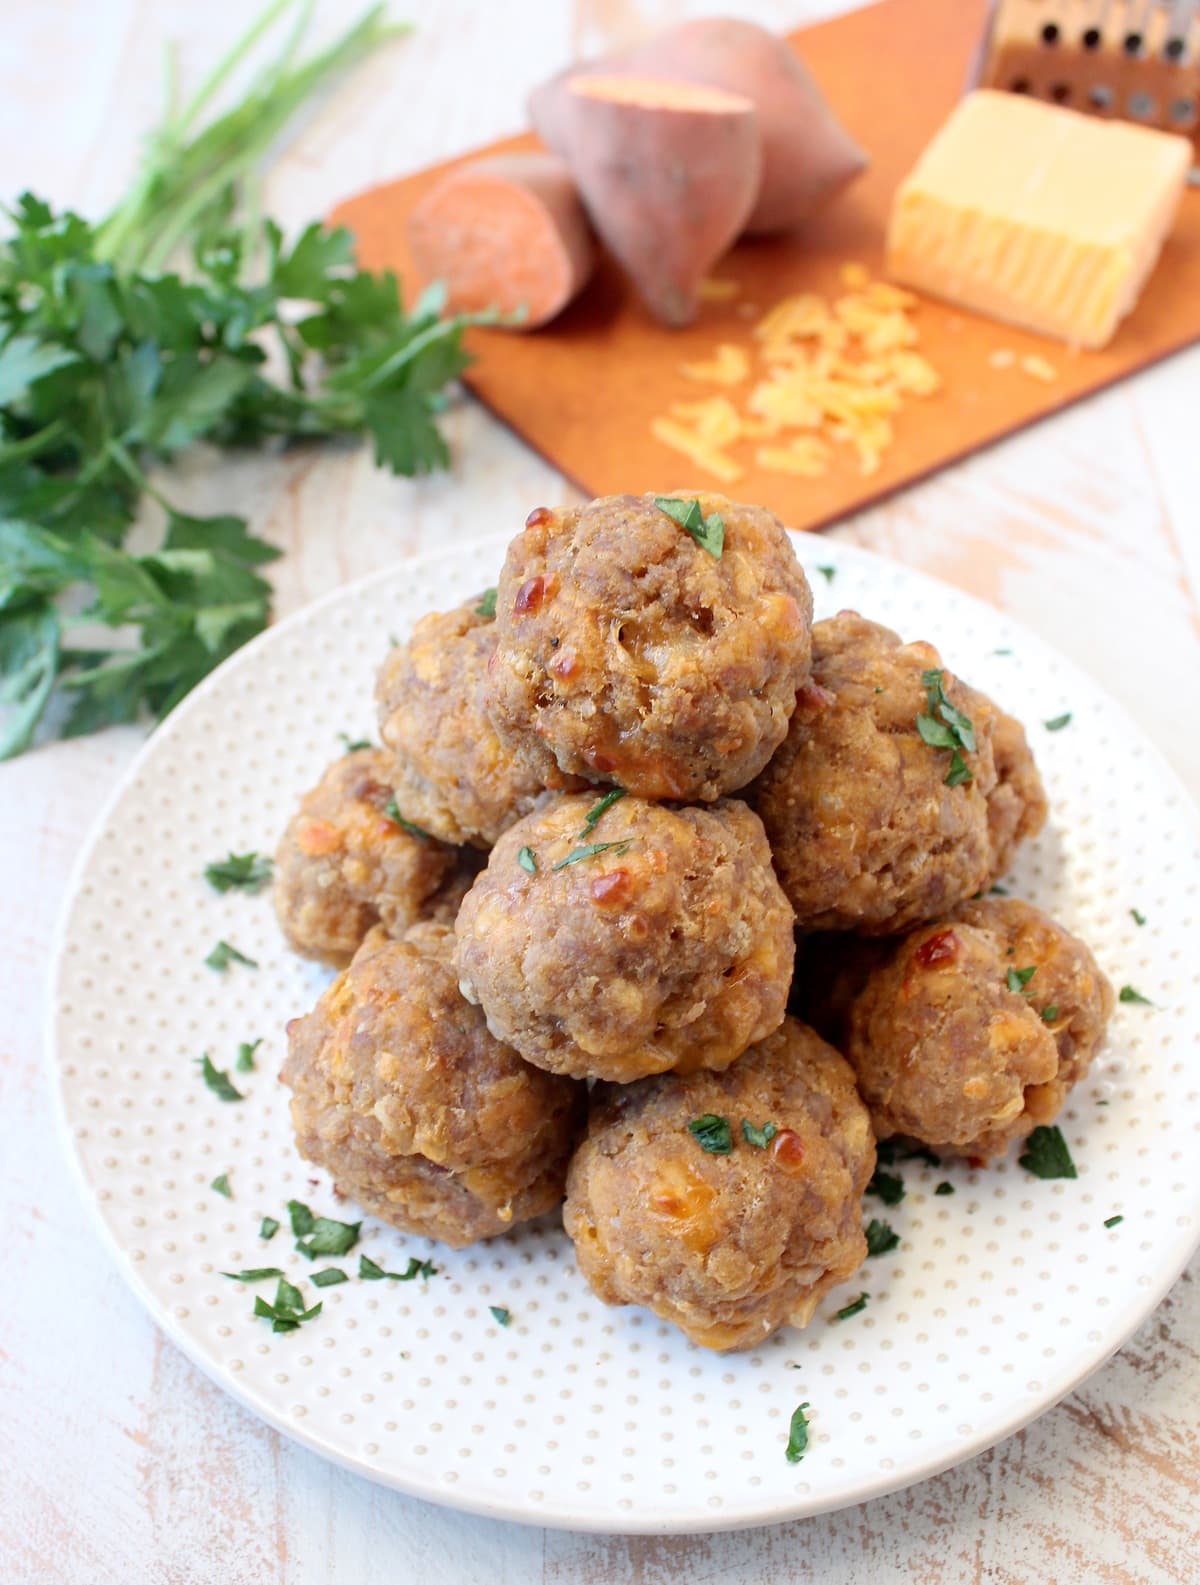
(1000, 1299)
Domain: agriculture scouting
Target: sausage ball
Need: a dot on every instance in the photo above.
(619, 941)
(1017, 806)
(727, 1246)
(417, 1113)
(873, 828)
(627, 652)
(452, 774)
(972, 1031)
(343, 865)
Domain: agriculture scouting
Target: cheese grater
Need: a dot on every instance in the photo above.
(1134, 59)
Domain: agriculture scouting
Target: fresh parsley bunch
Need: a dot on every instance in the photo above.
(110, 362)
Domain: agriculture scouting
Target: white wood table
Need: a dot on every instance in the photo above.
(118, 1460)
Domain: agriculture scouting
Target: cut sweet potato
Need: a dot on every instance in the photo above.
(807, 155)
(669, 172)
(507, 232)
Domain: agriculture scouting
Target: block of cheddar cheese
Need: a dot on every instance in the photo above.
(1037, 215)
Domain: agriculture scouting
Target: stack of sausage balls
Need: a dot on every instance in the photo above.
(661, 900)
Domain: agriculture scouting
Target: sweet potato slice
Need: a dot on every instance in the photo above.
(507, 232)
(669, 172)
(807, 154)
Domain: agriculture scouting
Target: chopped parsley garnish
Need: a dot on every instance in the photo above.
(1049, 1014)
(245, 1055)
(218, 1081)
(487, 604)
(828, 573)
(327, 1237)
(1128, 994)
(712, 1133)
(499, 1314)
(301, 1218)
(590, 852)
(1046, 1155)
(760, 1138)
(1138, 919)
(997, 891)
(946, 727)
(881, 1239)
(370, 1272)
(393, 814)
(329, 1278)
(243, 872)
(889, 1151)
(944, 1188)
(288, 1311)
(268, 1227)
(708, 532)
(797, 1444)
(1113, 1221)
(853, 1308)
(1018, 979)
(1059, 721)
(1002, 652)
(354, 744)
(887, 1186)
(222, 955)
(527, 859)
(221, 1185)
(255, 1274)
(598, 809)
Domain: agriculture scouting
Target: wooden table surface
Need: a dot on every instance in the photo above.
(118, 1460)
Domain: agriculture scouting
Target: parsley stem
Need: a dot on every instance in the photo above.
(32, 445)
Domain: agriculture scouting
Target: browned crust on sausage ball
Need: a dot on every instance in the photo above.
(728, 1247)
(452, 774)
(866, 834)
(671, 949)
(1017, 806)
(946, 1053)
(418, 1114)
(626, 652)
(343, 866)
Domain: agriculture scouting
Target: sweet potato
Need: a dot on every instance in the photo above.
(668, 171)
(507, 232)
(807, 155)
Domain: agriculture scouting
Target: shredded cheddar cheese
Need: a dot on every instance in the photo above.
(829, 373)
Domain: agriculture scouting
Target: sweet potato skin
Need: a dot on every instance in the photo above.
(807, 155)
(506, 232)
(667, 187)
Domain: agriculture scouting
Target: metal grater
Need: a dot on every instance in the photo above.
(1134, 59)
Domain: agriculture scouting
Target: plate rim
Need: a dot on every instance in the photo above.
(559, 1516)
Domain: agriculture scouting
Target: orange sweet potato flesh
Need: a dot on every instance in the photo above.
(507, 232)
(669, 172)
(807, 156)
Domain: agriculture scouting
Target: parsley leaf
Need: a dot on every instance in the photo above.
(881, 1239)
(708, 532)
(329, 1278)
(760, 1138)
(944, 1188)
(247, 872)
(1050, 1013)
(594, 813)
(1057, 724)
(1138, 919)
(327, 1237)
(487, 604)
(1018, 979)
(245, 1055)
(1046, 1155)
(1128, 994)
(888, 1187)
(268, 1227)
(853, 1308)
(712, 1133)
(370, 1272)
(958, 772)
(828, 573)
(221, 1185)
(946, 727)
(797, 1443)
(353, 745)
(1113, 1221)
(890, 1151)
(393, 814)
(288, 1312)
(527, 859)
(590, 852)
(222, 955)
(218, 1081)
(257, 1274)
(301, 1218)
(499, 1314)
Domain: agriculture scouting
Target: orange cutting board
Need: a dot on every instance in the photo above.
(583, 391)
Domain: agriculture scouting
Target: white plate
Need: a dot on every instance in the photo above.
(1000, 1299)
